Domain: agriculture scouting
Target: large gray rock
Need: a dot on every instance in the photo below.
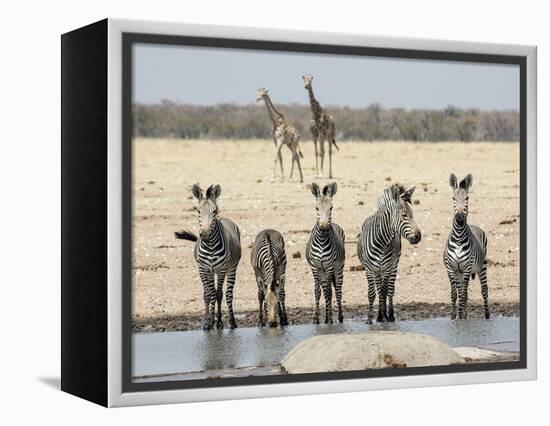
(362, 351)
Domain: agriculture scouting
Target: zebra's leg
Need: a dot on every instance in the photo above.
(317, 296)
(220, 278)
(372, 295)
(391, 291)
(485, 291)
(453, 294)
(231, 276)
(463, 298)
(338, 283)
(282, 309)
(261, 322)
(326, 285)
(209, 289)
(381, 286)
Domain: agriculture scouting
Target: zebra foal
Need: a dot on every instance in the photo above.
(217, 253)
(379, 247)
(326, 254)
(268, 259)
(465, 252)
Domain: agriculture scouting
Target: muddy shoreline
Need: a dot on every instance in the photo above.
(403, 312)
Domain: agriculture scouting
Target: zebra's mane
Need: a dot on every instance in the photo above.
(387, 195)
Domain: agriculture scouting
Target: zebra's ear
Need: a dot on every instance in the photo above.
(213, 192)
(197, 192)
(407, 195)
(466, 183)
(330, 189)
(314, 188)
(453, 182)
(395, 192)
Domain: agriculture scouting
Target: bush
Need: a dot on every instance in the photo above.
(229, 121)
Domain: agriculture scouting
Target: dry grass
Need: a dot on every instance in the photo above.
(165, 275)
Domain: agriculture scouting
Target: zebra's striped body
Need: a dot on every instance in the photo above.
(217, 253)
(379, 247)
(325, 253)
(268, 259)
(465, 252)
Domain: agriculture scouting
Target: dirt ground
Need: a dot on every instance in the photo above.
(167, 292)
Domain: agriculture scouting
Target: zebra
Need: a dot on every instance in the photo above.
(465, 252)
(379, 247)
(268, 259)
(326, 254)
(217, 253)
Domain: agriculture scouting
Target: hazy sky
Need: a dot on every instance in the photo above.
(205, 76)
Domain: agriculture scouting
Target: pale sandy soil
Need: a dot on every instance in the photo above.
(167, 293)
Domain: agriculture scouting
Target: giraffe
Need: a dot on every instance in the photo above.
(322, 129)
(283, 134)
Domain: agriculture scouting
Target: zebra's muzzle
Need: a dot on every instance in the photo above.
(415, 239)
(460, 218)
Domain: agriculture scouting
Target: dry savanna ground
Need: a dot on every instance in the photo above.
(167, 292)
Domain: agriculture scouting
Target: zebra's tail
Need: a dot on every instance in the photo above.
(301, 155)
(185, 235)
(336, 146)
(473, 277)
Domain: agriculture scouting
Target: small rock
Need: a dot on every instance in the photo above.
(361, 203)
(388, 179)
(353, 268)
(259, 181)
(416, 202)
(296, 255)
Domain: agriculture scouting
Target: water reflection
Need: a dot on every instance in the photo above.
(192, 351)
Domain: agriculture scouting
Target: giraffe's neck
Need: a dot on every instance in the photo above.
(315, 107)
(275, 115)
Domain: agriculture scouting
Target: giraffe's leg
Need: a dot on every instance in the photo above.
(317, 296)
(280, 156)
(463, 298)
(322, 153)
(292, 166)
(276, 159)
(330, 139)
(453, 293)
(231, 276)
(338, 283)
(209, 289)
(297, 157)
(485, 291)
(371, 280)
(220, 278)
(315, 138)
